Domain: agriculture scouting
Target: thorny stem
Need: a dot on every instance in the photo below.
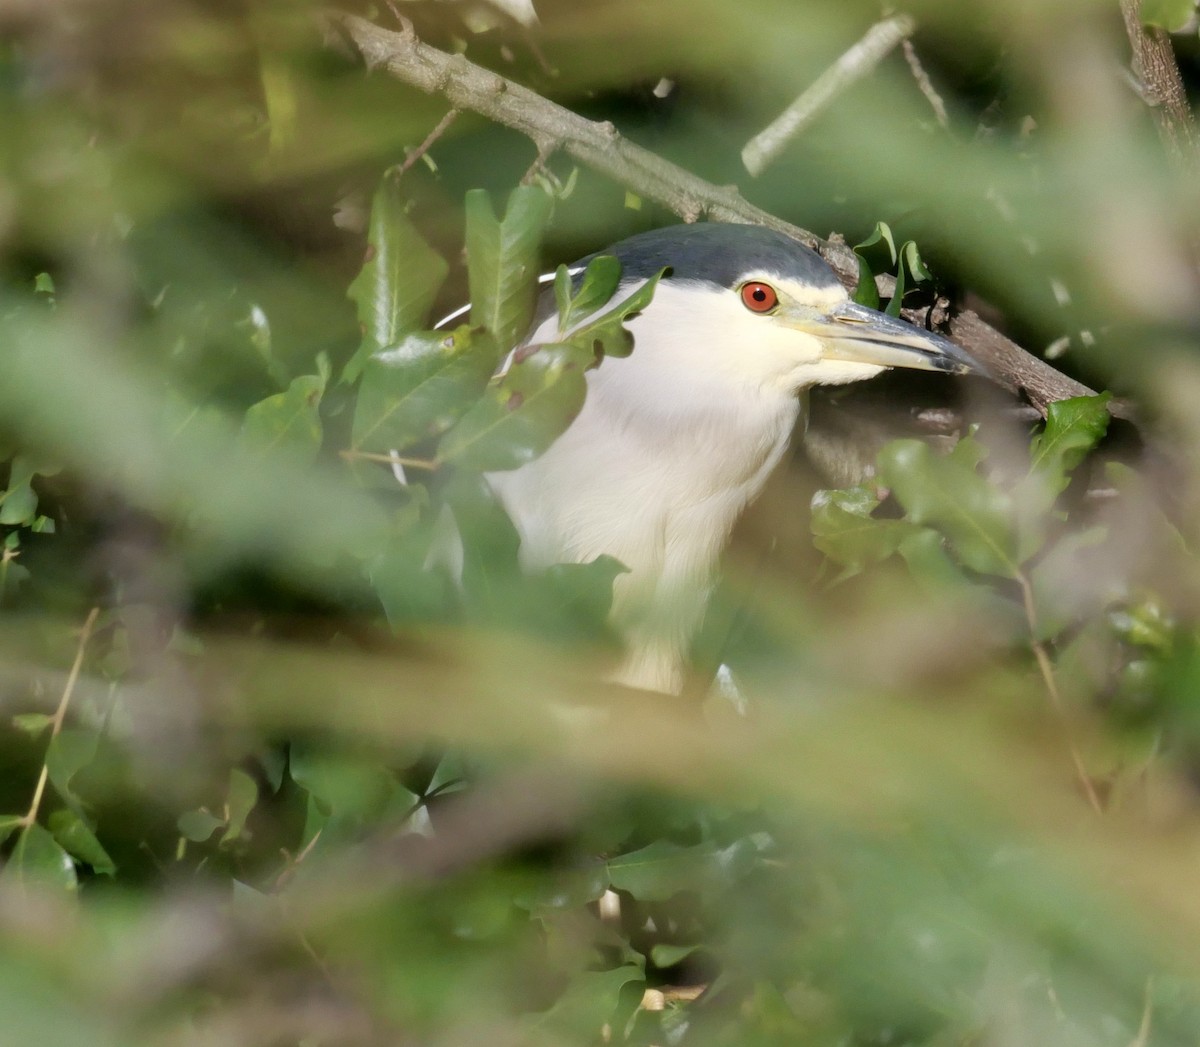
(1046, 667)
(442, 127)
(30, 816)
(925, 85)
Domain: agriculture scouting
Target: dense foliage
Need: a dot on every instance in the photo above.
(292, 749)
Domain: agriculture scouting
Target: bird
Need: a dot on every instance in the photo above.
(675, 440)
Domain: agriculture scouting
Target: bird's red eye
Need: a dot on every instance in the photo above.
(758, 297)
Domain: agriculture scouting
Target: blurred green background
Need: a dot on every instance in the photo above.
(269, 774)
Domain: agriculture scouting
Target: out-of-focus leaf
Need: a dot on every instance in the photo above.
(71, 750)
(242, 798)
(39, 860)
(1068, 583)
(1073, 428)
(502, 260)
(606, 335)
(521, 414)
(1171, 15)
(949, 495)
(350, 787)
(399, 280)
(845, 531)
(290, 419)
(74, 835)
(421, 387)
(32, 723)
(661, 870)
(198, 825)
(664, 955)
(587, 1003)
(9, 822)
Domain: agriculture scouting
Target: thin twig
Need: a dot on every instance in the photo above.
(1143, 1034)
(925, 85)
(30, 816)
(599, 146)
(852, 66)
(351, 455)
(1046, 668)
(442, 127)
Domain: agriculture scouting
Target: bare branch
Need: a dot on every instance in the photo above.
(925, 85)
(851, 67)
(1161, 85)
(599, 146)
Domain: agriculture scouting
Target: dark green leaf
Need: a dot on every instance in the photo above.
(77, 838)
(521, 414)
(663, 955)
(502, 260)
(587, 1003)
(949, 495)
(606, 335)
(71, 750)
(290, 419)
(398, 282)
(663, 869)
(421, 387)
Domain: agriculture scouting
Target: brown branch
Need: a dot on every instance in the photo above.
(599, 146)
(1161, 84)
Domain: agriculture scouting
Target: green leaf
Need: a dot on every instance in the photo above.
(32, 723)
(198, 825)
(243, 795)
(502, 260)
(606, 335)
(77, 838)
(421, 387)
(910, 270)
(39, 860)
(660, 871)
(876, 254)
(1073, 428)
(846, 532)
(664, 955)
(950, 496)
(399, 280)
(348, 786)
(71, 750)
(9, 822)
(289, 419)
(587, 1003)
(522, 413)
(1171, 15)
(597, 286)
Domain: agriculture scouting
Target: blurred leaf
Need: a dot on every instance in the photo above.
(421, 387)
(32, 723)
(18, 505)
(77, 838)
(502, 260)
(352, 788)
(606, 335)
(289, 420)
(661, 870)
(38, 860)
(399, 279)
(1171, 15)
(71, 750)
(587, 1004)
(521, 414)
(198, 825)
(846, 532)
(949, 495)
(664, 955)
(242, 798)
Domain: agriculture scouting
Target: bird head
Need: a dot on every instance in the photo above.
(748, 307)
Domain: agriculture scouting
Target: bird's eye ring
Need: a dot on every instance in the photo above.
(759, 297)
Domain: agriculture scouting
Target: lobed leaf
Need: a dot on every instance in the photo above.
(606, 334)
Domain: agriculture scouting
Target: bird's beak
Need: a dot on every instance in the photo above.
(854, 333)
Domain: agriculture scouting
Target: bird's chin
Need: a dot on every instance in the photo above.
(835, 372)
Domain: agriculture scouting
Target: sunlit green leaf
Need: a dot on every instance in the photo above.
(502, 260)
(421, 387)
(399, 279)
(32, 723)
(1171, 15)
(198, 825)
(949, 495)
(845, 531)
(521, 414)
(597, 285)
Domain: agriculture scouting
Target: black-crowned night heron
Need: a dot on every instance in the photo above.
(675, 440)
